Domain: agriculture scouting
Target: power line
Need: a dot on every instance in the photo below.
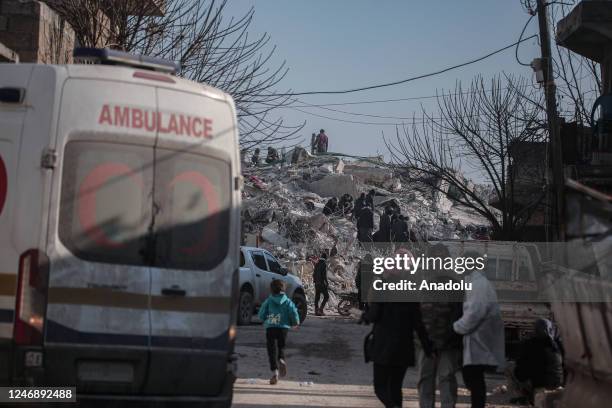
(518, 43)
(403, 81)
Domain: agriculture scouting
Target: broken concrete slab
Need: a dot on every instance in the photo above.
(368, 174)
(334, 185)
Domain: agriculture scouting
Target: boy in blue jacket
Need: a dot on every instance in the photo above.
(278, 313)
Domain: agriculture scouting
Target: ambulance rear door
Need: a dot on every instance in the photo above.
(98, 321)
(196, 243)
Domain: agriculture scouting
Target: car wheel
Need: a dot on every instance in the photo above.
(302, 307)
(245, 308)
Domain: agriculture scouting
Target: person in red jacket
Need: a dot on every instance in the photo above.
(322, 142)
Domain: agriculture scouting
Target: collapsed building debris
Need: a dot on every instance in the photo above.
(282, 211)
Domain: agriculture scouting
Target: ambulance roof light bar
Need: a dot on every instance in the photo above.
(107, 56)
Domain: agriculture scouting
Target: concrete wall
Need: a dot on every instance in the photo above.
(35, 32)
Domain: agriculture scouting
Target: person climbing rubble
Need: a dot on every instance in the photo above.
(255, 158)
(321, 284)
(322, 142)
(331, 207)
(272, 156)
(365, 224)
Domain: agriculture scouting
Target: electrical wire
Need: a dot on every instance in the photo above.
(403, 81)
(519, 42)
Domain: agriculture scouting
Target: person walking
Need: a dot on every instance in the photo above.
(439, 312)
(321, 284)
(392, 348)
(279, 314)
(482, 329)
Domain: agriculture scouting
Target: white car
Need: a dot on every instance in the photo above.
(258, 268)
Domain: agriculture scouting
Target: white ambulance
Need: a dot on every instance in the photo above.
(119, 230)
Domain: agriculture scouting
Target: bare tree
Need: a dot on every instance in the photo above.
(477, 131)
(210, 48)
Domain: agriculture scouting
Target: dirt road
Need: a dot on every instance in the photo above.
(326, 369)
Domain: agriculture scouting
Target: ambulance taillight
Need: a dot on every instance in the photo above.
(31, 301)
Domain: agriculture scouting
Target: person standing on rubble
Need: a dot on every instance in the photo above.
(482, 329)
(321, 284)
(331, 207)
(365, 224)
(370, 198)
(313, 144)
(322, 142)
(359, 204)
(399, 229)
(272, 156)
(384, 226)
(255, 158)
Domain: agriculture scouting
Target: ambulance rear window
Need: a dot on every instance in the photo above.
(105, 206)
(120, 204)
(193, 192)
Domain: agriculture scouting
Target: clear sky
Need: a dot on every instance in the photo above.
(339, 44)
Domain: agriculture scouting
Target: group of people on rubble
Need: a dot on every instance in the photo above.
(393, 225)
(271, 158)
(318, 144)
(456, 331)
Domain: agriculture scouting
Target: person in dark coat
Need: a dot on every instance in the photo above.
(392, 350)
(359, 204)
(255, 157)
(331, 206)
(345, 205)
(365, 224)
(540, 363)
(363, 279)
(385, 225)
(439, 311)
(399, 229)
(321, 285)
(272, 156)
(370, 198)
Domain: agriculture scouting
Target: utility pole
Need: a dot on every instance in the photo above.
(555, 150)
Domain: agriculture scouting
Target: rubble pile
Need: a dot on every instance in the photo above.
(283, 205)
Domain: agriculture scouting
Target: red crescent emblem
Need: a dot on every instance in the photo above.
(212, 200)
(87, 204)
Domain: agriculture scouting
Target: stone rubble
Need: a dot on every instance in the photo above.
(282, 212)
